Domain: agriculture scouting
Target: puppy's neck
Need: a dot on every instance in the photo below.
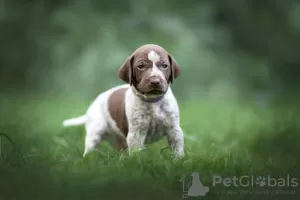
(148, 98)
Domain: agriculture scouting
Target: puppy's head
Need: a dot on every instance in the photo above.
(150, 69)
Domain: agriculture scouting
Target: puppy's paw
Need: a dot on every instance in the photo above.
(135, 151)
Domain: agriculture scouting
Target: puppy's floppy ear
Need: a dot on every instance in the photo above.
(126, 70)
(175, 69)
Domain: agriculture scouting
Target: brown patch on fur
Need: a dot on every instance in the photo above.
(116, 108)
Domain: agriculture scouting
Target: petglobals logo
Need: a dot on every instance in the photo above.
(255, 181)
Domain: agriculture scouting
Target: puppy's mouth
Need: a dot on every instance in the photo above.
(150, 91)
(149, 94)
(155, 92)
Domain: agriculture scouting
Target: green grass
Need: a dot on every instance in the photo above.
(39, 159)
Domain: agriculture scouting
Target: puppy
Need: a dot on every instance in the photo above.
(140, 112)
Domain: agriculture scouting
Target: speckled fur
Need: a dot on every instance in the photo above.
(149, 122)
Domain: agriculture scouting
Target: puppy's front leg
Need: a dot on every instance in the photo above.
(176, 141)
(135, 140)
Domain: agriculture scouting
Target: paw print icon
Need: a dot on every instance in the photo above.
(260, 181)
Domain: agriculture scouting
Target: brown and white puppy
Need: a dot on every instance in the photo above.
(140, 112)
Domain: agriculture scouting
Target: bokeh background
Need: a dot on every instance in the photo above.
(233, 48)
(238, 90)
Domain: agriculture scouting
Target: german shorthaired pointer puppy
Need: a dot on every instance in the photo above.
(140, 112)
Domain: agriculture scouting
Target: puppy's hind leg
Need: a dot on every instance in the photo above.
(94, 135)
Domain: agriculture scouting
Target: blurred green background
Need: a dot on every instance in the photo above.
(238, 92)
(225, 48)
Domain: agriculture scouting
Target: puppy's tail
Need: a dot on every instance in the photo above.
(75, 121)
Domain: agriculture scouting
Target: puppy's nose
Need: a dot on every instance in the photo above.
(154, 81)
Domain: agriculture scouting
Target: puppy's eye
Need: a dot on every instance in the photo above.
(140, 67)
(164, 66)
